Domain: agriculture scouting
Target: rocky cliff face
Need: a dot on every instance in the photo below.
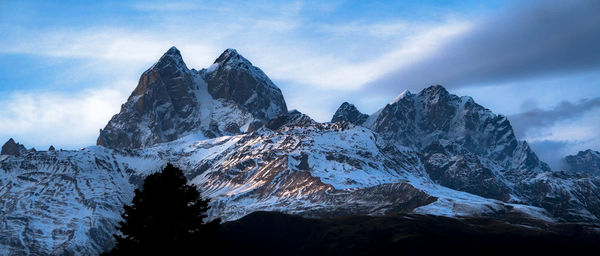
(587, 161)
(233, 77)
(171, 101)
(13, 148)
(462, 144)
(349, 113)
(466, 147)
(434, 115)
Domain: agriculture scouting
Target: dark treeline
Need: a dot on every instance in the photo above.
(269, 233)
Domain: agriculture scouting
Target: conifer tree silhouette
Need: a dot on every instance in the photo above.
(166, 218)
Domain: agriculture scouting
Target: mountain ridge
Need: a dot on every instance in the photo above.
(172, 100)
(587, 161)
(229, 128)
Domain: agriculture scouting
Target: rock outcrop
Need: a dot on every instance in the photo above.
(233, 77)
(349, 113)
(13, 148)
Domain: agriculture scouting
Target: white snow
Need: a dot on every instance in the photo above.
(212, 68)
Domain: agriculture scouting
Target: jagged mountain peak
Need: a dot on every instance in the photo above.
(435, 115)
(171, 57)
(172, 101)
(173, 50)
(229, 54)
(233, 77)
(434, 90)
(293, 117)
(11, 147)
(231, 59)
(349, 113)
(587, 161)
(588, 152)
(10, 141)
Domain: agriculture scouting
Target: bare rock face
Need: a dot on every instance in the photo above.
(433, 115)
(172, 101)
(157, 110)
(463, 171)
(234, 78)
(349, 113)
(13, 148)
(294, 117)
(587, 161)
(462, 145)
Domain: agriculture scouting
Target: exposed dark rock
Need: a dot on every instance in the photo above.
(255, 125)
(51, 148)
(171, 101)
(303, 165)
(232, 128)
(235, 78)
(349, 113)
(585, 161)
(463, 171)
(434, 115)
(159, 108)
(13, 148)
(294, 117)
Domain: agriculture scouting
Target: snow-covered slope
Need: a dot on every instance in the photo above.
(64, 201)
(228, 128)
(69, 201)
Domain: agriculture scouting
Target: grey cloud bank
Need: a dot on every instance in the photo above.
(534, 122)
(542, 39)
(531, 120)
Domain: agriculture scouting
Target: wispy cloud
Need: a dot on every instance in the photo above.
(113, 45)
(68, 119)
(530, 122)
(307, 54)
(329, 70)
(283, 58)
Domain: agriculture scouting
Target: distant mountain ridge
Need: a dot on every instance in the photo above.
(587, 161)
(229, 128)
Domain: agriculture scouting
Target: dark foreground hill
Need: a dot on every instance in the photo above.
(271, 233)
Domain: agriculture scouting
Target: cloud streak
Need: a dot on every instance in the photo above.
(524, 41)
(365, 61)
(529, 122)
(565, 129)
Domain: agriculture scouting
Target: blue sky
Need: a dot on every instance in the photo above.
(65, 69)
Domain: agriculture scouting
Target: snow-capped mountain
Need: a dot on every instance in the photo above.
(587, 161)
(462, 144)
(228, 127)
(172, 101)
